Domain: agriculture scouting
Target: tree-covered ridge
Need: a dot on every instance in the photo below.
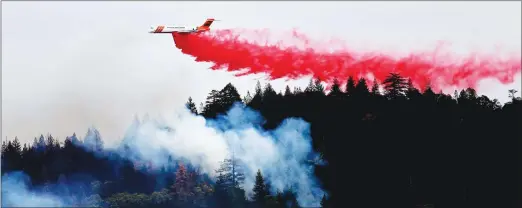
(385, 145)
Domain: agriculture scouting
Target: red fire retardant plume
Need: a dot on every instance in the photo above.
(226, 50)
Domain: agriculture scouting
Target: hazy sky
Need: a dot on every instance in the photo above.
(69, 65)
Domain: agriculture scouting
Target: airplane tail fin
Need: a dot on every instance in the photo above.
(207, 23)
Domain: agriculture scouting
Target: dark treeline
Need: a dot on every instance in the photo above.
(396, 147)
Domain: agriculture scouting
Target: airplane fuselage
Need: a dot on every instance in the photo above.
(182, 29)
(175, 29)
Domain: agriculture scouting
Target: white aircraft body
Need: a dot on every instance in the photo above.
(182, 29)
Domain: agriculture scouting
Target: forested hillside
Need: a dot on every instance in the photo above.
(384, 145)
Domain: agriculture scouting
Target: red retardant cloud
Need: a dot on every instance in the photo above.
(226, 49)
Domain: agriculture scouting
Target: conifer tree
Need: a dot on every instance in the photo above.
(395, 85)
(260, 191)
(191, 106)
(375, 88)
(350, 85)
(288, 92)
(336, 89)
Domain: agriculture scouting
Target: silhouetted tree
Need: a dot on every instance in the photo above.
(288, 92)
(336, 89)
(395, 85)
(350, 85)
(260, 191)
(191, 106)
(375, 88)
(361, 88)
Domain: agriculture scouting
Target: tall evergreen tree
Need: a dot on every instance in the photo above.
(324, 201)
(257, 99)
(260, 191)
(350, 85)
(247, 98)
(375, 88)
(411, 91)
(93, 140)
(361, 88)
(288, 92)
(336, 89)
(182, 189)
(231, 177)
(191, 106)
(310, 87)
(269, 92)
(395, 85)
(229, 96)
(318, 86)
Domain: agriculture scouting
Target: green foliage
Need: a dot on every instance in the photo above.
(129, 200)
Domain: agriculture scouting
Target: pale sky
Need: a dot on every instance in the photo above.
(70, 65)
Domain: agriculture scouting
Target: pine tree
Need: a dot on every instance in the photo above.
(411, 91)
(310, 87)
(336, 89)
(375, 88)
(232, 172)
(260, 191)
(228, 96)
(41, 143)
(211, 104)
(350, 85)
(17, 147)
(288, 92)
(259, 90)
(93, 140)
(50, 142)
(323, 201)
(318, 87)
(183, 185)
(395, 85)
(297, 90)
(258, 97)
(4, 148)
(361, 88)
(221, 194)
(201, 107)
(231, 177)
(269, 92)
(248, 98)
(191, 106)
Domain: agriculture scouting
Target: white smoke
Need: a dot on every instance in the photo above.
(16, 193)
(282, 155)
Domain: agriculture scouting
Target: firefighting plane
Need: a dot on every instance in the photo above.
(182, 29)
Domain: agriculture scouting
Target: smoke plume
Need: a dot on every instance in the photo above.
(284, 155)
(250, 52)
(15, 193)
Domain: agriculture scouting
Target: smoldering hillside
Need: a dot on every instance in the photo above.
(353, 146)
